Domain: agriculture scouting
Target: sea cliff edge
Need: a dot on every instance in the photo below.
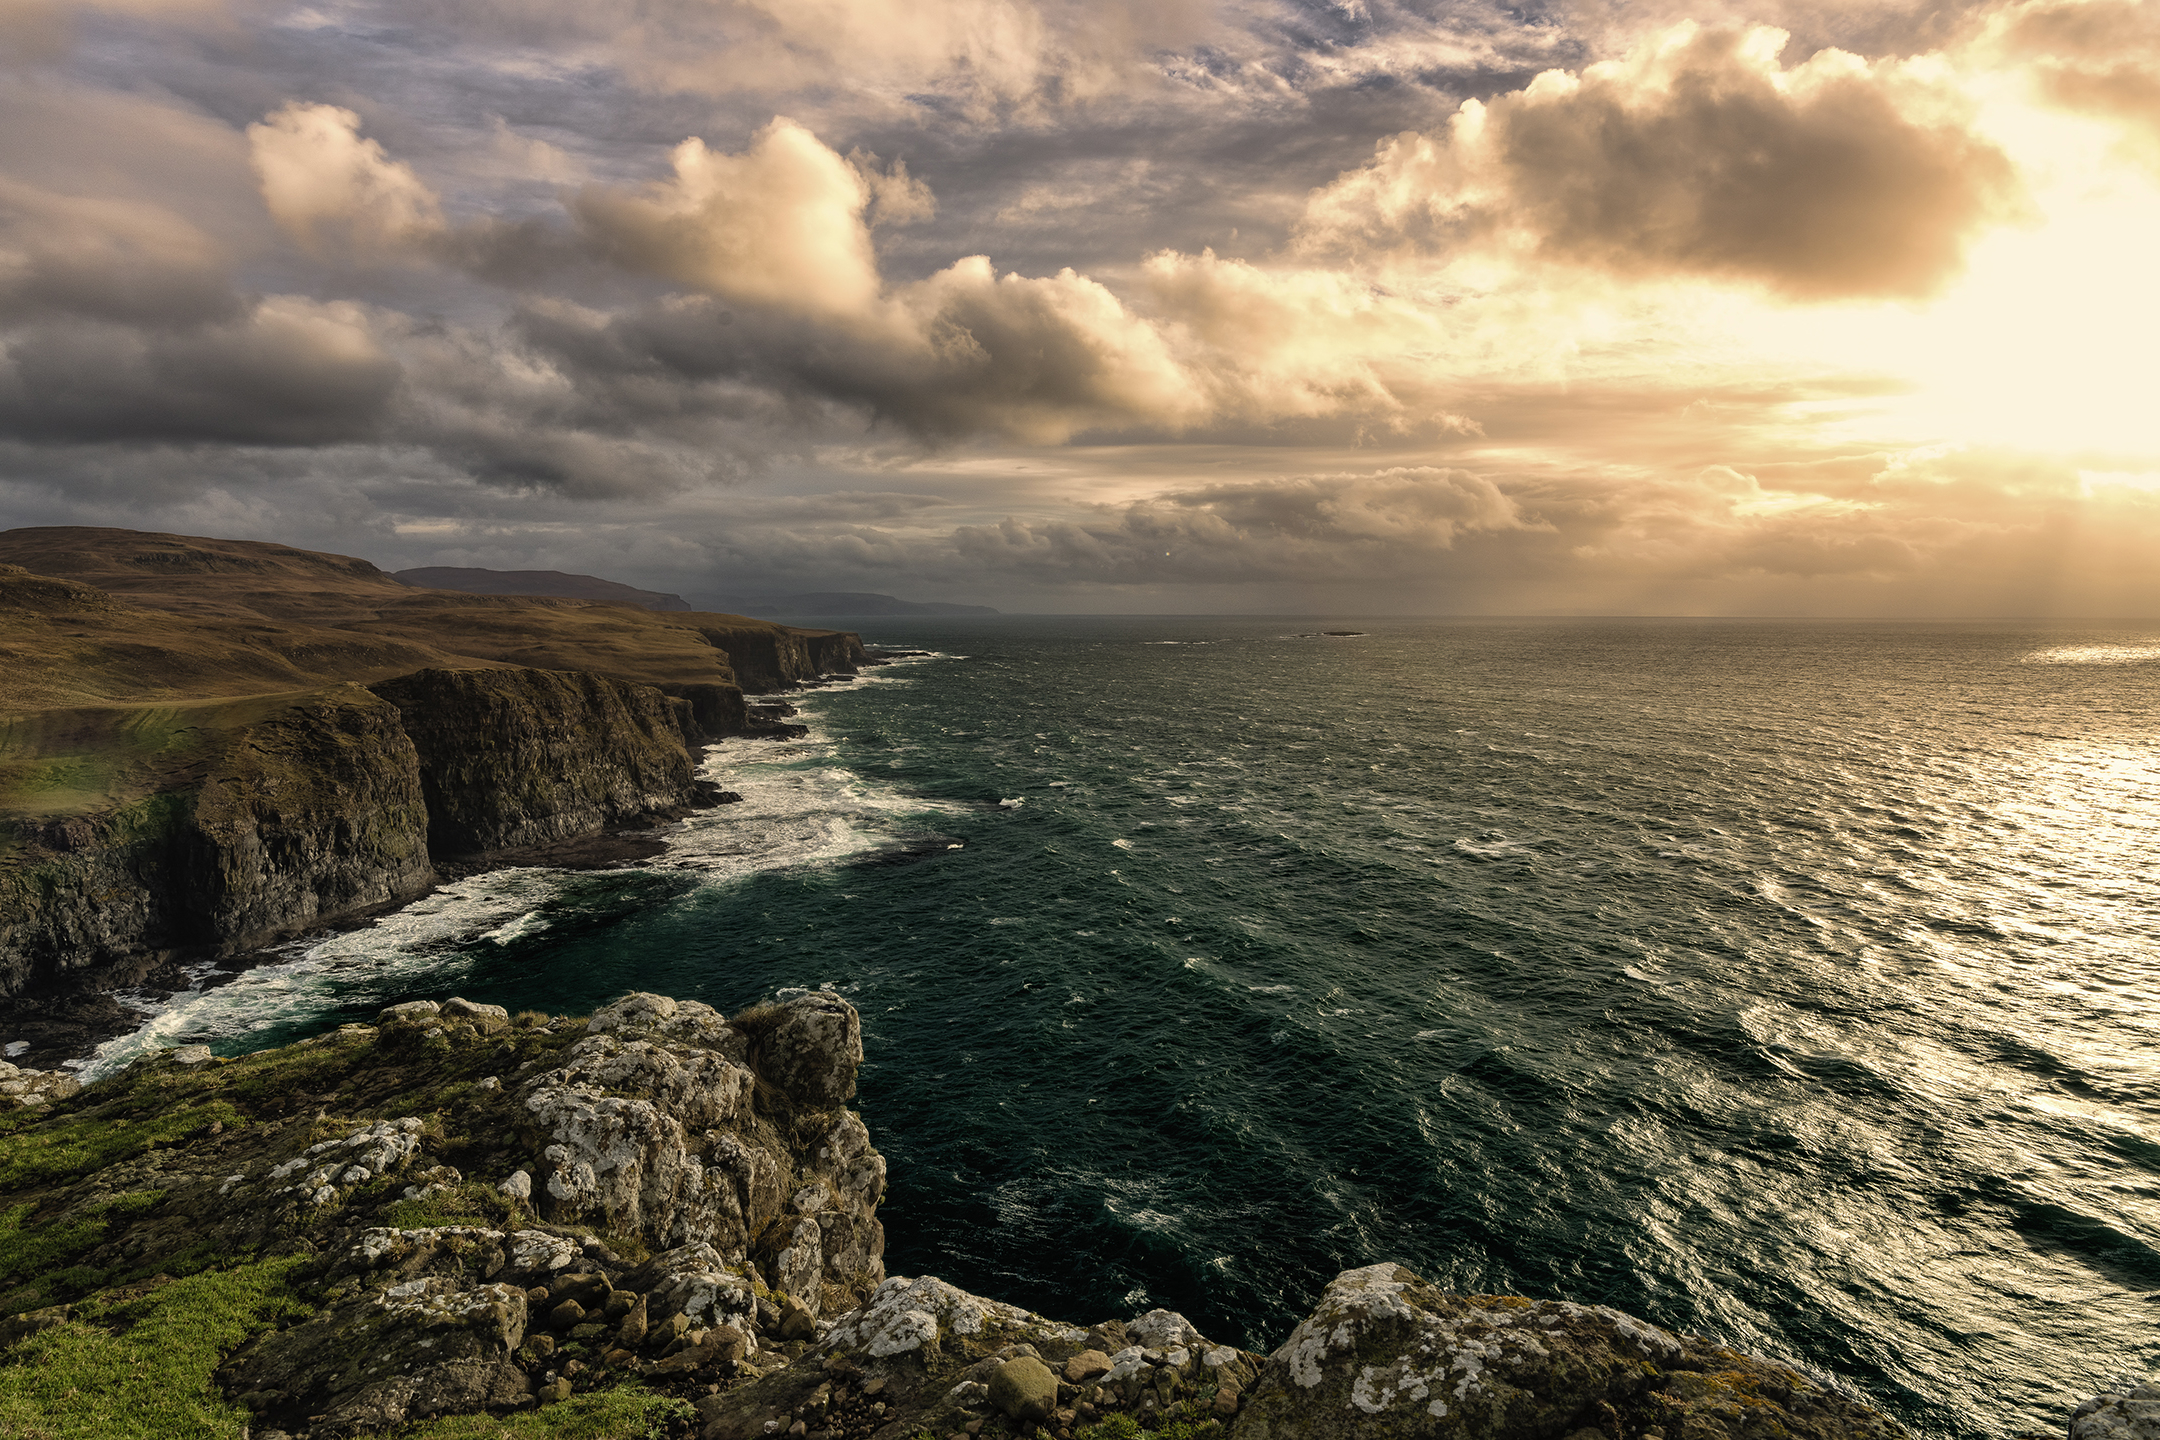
(660, 1220)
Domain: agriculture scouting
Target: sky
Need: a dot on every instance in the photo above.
(1380, 307)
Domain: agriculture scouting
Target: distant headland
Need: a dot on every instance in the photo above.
(207, 746)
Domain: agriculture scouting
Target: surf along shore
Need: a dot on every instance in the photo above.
(208, 747)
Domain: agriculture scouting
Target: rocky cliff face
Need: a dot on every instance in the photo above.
(291, 813)
(771, 658)
(477, 1214)
(298, 814)
(516, 758)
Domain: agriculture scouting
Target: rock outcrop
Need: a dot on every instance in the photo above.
(1387, 1355)
(479, 1213)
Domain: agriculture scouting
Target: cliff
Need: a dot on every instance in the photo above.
(663, 1221)
(207, 745)
(257, 820)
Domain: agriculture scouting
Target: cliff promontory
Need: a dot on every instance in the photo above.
(660, 1220)
(207, 746)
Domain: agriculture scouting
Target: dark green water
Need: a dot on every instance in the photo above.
(1795, 983)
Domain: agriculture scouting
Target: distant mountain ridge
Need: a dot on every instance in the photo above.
(474, 581)
(834, 602)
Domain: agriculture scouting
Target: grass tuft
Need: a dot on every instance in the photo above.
(141, 1365)
(627, 1412)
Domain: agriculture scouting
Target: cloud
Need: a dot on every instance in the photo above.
(981, 55)
(1316, 528)
(110, 259)
(1695, 155)
(784, 228)
(289, 371)
(2096, 57)
(780, 225)
(327, 187)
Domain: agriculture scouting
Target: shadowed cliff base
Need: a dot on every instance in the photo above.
(208, 746)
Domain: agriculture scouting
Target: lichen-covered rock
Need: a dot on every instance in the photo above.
(2128, 1409)
(1386, 1356)
(651, 1125)
(23, 1089)
(1023, 1388)
(925, 1356)
(814, 1052)
(379, 1348)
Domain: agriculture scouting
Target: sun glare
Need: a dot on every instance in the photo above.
(2046, 342)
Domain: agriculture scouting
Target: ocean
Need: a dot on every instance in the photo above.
(1791, 982)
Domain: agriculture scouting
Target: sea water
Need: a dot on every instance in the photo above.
(1794, 983)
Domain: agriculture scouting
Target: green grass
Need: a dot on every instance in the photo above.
(1180, 1422)
(61, 1149)
(83, 1381)
(46, 1246)
(469, 1204)
(628, 1412)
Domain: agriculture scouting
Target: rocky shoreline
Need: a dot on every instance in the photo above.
(669, 1212)
(470, 831)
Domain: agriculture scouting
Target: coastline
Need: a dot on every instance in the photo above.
(460, 1212)
(67, 1025)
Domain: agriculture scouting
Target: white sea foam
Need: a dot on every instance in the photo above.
(799, 809)
(406, 949)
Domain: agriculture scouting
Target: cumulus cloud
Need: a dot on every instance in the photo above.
(1697, 154)
(784, 228)
(326, 186)
(781, 224)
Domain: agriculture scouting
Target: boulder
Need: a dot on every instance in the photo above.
(650, 1125)
(2128, 1409)
(1024, 1388)
(1387, 1355)
(814, 1050)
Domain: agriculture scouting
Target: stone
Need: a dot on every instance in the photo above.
(632, 1330)
(1387, 1355)
(813, 1052)
(796, 1321)
(2128, 1409)
(453, 1388)
(412, 1011)
(556, 1391)
(1162, 1330)
(518, 1186)
(191, 1055)
(1085, 1366)
(1023, 1388)
(464, 1009)
(565, 1315)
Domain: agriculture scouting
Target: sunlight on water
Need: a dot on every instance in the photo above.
(1797, 984)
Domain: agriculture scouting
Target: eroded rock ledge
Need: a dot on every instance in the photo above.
(481, 1213)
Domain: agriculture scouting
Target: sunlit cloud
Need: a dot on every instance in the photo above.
(1805, 307)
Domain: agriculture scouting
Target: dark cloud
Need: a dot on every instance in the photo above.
(1697, 155)
(107, 259)
(289, 372)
